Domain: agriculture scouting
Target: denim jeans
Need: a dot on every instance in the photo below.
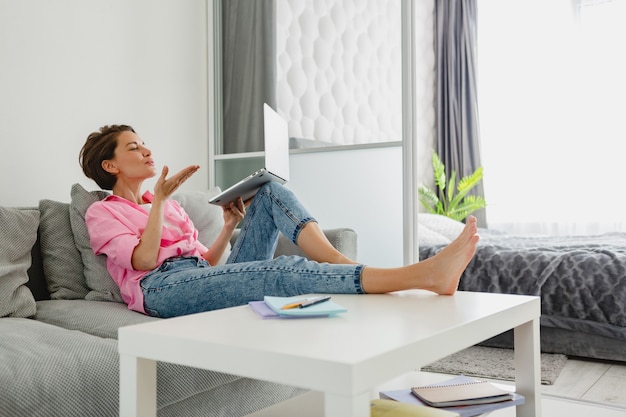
(189, 285)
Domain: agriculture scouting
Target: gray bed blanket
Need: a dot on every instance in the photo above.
(581, 279)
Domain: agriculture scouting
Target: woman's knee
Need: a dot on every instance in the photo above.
(273, 187)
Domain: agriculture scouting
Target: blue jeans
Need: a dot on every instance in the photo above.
(189, 285)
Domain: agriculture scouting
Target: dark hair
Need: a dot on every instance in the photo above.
(99, 147)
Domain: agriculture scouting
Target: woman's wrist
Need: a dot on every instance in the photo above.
(230, 226)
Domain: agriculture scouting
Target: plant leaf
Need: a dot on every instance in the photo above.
(469, 205)
(451, 190)
(470, 181)
(455, 201)
(428, 198)
(439, 171)
(466, 184)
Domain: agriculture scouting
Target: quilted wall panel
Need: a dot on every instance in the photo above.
(339, 69)
(339, 73)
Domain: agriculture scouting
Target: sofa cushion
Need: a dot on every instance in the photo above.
(36, 278)
(101, 285)
(49, 371)
(99, 318)
(239, 397)
(62, 263)
(19, 233)
(207, 218)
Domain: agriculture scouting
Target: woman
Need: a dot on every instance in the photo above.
(163, 270)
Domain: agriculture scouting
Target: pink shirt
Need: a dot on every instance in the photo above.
(115, 226)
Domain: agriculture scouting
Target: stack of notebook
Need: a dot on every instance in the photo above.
(463, 395)
(282, 307)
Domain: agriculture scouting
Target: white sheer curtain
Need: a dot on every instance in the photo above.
(551, 96)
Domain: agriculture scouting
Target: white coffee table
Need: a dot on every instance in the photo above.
(345, 357)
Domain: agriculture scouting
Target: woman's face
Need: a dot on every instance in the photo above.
(132, 159)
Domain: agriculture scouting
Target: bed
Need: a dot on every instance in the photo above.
(581, 281)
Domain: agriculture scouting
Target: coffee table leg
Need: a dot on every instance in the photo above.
(137, 387)
(339, 406)
(528, 368)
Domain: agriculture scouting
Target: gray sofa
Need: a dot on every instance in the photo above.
(60, 315)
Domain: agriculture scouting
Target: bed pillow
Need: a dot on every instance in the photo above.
(101, 285)
(443, 225)
(19, 234)
(62, 263)
(207, 218)
(428, 237)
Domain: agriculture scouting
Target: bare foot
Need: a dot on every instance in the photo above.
(447, 266)
(440, 274)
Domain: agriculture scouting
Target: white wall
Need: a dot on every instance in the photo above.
(71, 66)
(360, 189)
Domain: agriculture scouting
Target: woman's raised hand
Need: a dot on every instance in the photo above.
(165, 187)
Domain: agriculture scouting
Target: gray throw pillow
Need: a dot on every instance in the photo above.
(207, 218)
(101, 285)
(19, 234)
(62, 263)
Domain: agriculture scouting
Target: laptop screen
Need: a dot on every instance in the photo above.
(276, 143)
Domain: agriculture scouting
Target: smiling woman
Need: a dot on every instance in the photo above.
(154, 256)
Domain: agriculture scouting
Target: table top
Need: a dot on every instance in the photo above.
(379, 337)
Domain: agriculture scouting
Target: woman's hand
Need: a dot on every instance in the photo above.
(165, 187)
(234, 213)
(146, 253)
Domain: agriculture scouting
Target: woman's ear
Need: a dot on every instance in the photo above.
(109, 166)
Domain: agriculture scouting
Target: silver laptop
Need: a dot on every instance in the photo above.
(276, 168)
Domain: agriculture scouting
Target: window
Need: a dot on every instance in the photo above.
(551, 85)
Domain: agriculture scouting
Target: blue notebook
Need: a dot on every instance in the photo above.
(405, 396)
(327, 308)
(265, 312)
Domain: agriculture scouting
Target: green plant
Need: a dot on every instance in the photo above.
(451, 200)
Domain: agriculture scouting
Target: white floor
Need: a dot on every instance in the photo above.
(583, 389)
(592, 381)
